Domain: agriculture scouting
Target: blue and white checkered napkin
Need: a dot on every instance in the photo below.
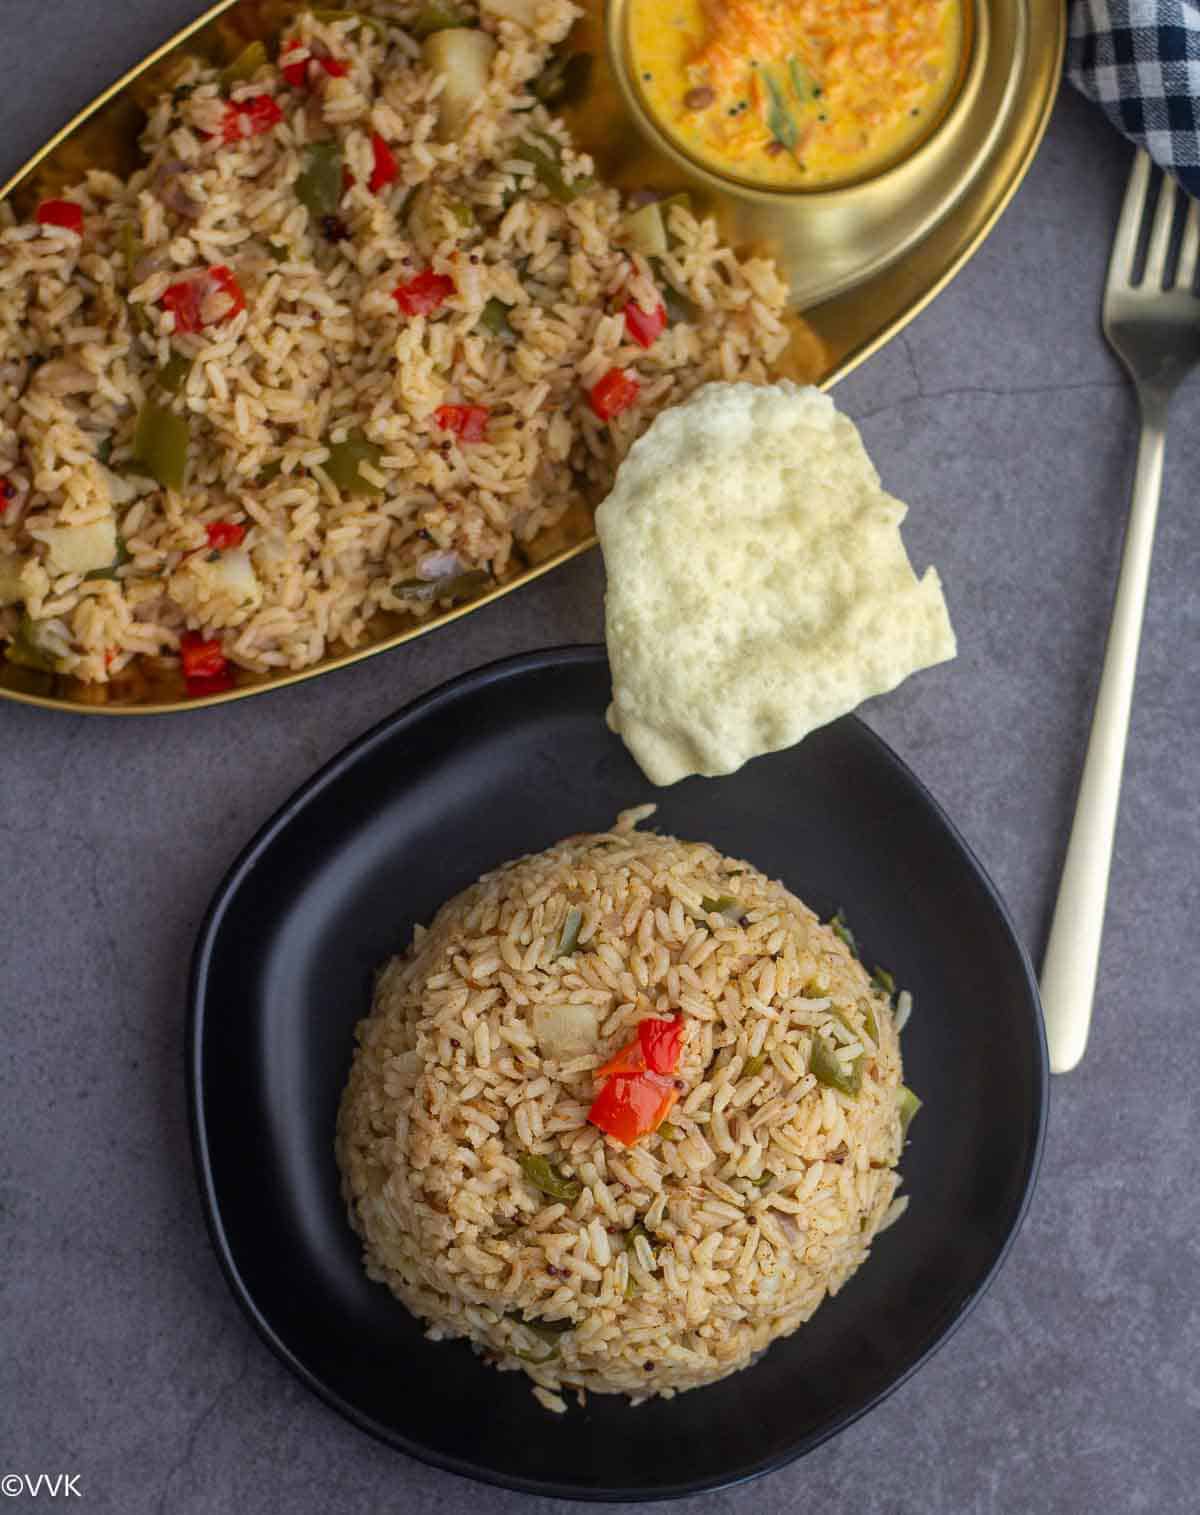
(1140, 61)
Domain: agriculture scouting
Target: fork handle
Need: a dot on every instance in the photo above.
(1073, 950)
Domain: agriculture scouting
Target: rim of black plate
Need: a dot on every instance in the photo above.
(410, 715)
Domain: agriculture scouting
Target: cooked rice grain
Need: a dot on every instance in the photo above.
(761, 1195)
(322, 350)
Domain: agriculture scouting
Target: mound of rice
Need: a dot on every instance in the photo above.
(681, 1257)
(324, 352)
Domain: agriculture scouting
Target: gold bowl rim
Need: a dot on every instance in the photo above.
(1031, 120)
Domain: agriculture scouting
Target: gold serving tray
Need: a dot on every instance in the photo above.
(861, 261)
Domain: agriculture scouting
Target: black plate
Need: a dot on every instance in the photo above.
(506, 761)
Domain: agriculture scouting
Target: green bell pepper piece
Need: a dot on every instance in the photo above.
(160, 444)
(543, 1175)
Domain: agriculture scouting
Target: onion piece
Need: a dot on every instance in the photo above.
(439, 565)
(172, 193)
(464, 60)
(79, 549)
(566, 1031)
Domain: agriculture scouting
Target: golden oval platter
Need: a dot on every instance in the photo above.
(861, 261)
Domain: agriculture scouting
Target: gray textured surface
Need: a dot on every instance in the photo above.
(1074, 1387)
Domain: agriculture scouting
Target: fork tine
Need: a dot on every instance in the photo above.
(1160, 235)
(1189, 248)
(1124, 248)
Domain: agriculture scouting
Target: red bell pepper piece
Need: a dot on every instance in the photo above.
(226, 282)
(201, 658)
(211, 683)
(222, 534)
(467, 422)
(628, 1061)
(614, 393)
(475, 425)
(64, 213)
(348, 180)
(8, 492)
(642, 328)
(295, 73)
(183, 301)
(424, 294)
(657, 1047)
(384, 169)
(629, 1108)
(661, 1042)
(249, 118)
